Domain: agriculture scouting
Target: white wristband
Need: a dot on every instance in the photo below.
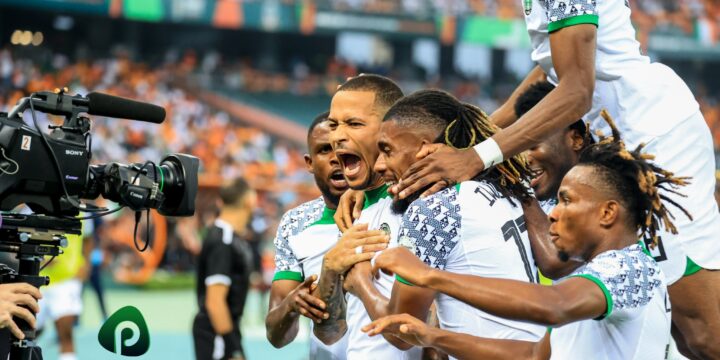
(489, 153)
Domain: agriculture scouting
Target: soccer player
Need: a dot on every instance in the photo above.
(476, 227)
(223, 275)
(549, 161)
(356, 110)
(304, 235)
(588, 49)
(613, 307)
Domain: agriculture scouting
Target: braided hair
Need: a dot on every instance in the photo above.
(637, 181)
(461, 126)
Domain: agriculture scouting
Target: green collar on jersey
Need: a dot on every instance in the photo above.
(326, 218)
(374, 195)
(644, 248)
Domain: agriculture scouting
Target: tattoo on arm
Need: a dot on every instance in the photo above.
(330, 290)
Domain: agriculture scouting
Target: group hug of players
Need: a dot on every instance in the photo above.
(436, 220)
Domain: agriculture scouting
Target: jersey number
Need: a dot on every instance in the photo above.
(657, 252)
(512, 230)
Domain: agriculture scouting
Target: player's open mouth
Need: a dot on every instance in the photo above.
(337, 179)
(538, 174)
(351, 163)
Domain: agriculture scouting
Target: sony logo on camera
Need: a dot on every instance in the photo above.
(74, 152)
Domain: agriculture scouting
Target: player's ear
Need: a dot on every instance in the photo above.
(308, 163)
(577, 140)
(609, 213)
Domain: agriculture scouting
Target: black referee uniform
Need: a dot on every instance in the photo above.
(226, 259)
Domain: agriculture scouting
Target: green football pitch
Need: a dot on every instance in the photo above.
(169, 315)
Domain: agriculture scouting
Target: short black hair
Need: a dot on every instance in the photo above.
(387, 92)
(318, 119)
(533, 95)
(232, 193)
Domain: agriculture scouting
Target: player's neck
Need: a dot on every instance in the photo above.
(614, 240)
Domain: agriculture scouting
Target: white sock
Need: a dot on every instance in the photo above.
(67, 356)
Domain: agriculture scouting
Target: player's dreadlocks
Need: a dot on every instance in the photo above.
(637, 180)
(461, 126)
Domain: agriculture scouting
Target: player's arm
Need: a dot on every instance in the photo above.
(461, 346)
(504, 116)
(544, 251)
(573, 55)
(403, 299)
(217, 308)
(290, 294)
(336, 262)
(288, 300)
(573, 50)
(571, 300)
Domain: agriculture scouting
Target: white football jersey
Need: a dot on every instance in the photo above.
(637, 322)
(304, 235)
(378, 215)
(646, 100)
(473, 229)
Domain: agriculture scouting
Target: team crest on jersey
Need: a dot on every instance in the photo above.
(386, 229)
(408, 243)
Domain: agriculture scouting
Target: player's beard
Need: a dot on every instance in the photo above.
(326, 193)
(400, 206)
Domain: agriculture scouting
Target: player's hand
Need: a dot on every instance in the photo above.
(357, 244)
(301, 301)
(12, 299)
(439, 166)
(349, 208)
(403, 326)
(358, 274)
(400, 261)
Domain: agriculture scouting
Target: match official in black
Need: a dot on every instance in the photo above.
(223, 272)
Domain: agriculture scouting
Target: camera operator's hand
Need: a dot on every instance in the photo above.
(12, 298)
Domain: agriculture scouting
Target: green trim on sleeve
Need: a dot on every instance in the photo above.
(608, 296)
(398, 278)
(288, 275)
(691, 267)
(575, 20)
(457, 187)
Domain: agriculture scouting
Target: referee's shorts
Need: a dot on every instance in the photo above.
(209, 346)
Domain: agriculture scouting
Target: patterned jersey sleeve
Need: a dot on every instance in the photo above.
(431, 228)
(564, 13)
(287, 266)
(627, 278)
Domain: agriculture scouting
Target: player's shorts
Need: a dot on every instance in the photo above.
(687, 150)
(60, 300)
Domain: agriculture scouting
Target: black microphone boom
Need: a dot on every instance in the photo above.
(119, 107)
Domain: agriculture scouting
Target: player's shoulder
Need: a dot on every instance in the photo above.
(442, 201)
(628, 259)
(298, 218)
(627, 271)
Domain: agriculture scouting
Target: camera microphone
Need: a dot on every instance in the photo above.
(120, 107)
